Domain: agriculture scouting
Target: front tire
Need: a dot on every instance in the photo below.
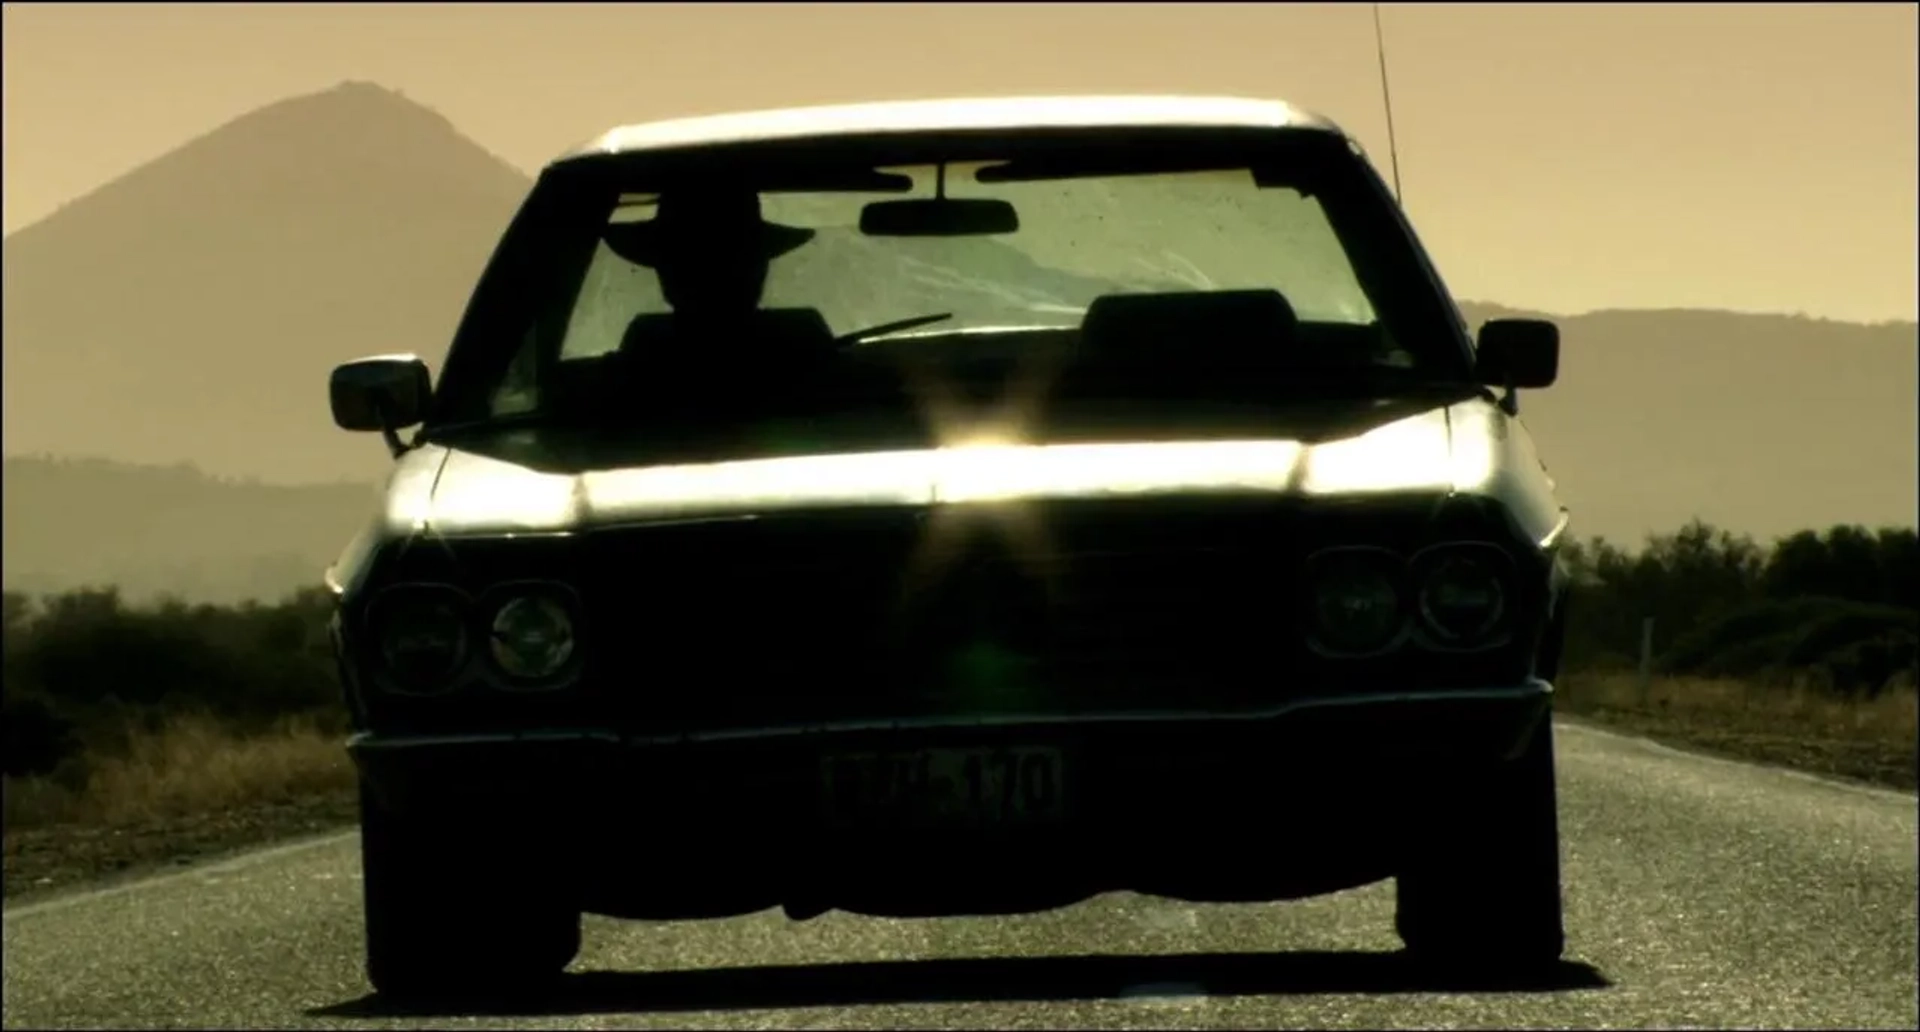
(1480, 887)
(449, 912)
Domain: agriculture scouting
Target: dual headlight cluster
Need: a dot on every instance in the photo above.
(425, 637)
(1365, 601)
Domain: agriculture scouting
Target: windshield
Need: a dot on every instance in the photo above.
(673, 302)
(1078, 239)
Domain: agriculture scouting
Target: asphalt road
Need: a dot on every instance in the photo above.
(1700, 893)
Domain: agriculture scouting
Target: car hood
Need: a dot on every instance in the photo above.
(455, 491)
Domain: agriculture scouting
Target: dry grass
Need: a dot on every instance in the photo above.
(1871, 739)
(192, 765)
(190, 789)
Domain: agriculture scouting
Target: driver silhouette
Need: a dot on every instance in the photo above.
(711, 250)
(717, 349)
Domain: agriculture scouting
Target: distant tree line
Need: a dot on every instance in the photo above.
(1839, 608)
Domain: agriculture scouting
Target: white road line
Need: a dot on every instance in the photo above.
(230, 864)
(1564, 723)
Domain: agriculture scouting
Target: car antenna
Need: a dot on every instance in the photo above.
(1386, 98)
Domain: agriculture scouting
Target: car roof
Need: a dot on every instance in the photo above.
(954, 115)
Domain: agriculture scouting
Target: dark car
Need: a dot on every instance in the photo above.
(962, 507)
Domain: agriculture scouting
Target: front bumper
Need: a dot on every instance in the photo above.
(1120, 768)
(670, 809)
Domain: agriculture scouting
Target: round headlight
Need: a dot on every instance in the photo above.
(1462, 598)
(422, 641)
(531, 638)
(1357, 602)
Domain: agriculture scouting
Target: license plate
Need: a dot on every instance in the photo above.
(943, 787)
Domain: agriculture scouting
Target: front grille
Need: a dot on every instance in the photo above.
(1109, 606)
(876, 619)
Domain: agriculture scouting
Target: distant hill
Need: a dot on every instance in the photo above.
(1758, 423)
(157, 530)
(189, 311)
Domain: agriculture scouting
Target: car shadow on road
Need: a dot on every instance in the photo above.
(984, 979)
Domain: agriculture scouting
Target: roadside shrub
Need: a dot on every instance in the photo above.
(83, 670)
(1838, 608)
(33, 734)
(1854, 647)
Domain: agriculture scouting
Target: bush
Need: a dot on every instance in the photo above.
(1854, 646)
(83, 669)
(1837, 607)
(36, 737)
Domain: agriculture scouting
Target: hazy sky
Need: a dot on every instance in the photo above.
(1565, 157)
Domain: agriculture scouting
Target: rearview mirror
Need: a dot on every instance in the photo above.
(385, 393)
(1518, 353)
(938, 217)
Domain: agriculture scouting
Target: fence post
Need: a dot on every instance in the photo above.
(1646, 661)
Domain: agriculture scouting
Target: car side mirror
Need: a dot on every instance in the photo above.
(387, 393)
(1516, 353)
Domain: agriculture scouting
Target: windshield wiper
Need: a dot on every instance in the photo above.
(893, 327)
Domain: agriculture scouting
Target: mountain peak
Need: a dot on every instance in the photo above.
(339, 138)
(348, 221)
(357, 103)
(366, 86)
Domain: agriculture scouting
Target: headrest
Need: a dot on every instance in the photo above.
(1181, 324)
(771, 331)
